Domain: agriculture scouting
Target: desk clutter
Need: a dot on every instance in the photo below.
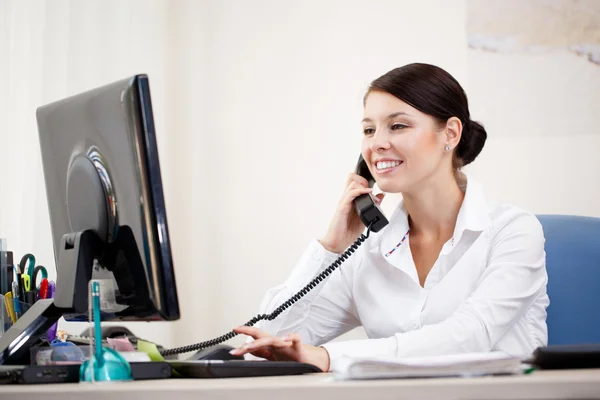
(21, 286)
(113, 353)
(89, 358)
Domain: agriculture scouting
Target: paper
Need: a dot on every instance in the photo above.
(469, 364)
(120, 344)
(150, 349)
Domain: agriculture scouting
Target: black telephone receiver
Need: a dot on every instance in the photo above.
(366, 207)
(370, 215)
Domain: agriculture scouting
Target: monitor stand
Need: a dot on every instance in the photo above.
(75, 263)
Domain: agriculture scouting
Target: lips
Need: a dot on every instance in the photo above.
(384, 166)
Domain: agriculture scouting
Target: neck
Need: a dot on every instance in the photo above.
(434, 207)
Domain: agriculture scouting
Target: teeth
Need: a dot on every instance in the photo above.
(387, 164)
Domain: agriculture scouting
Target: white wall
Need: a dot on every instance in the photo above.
(269, 129)
(538, 94)
(53, 49)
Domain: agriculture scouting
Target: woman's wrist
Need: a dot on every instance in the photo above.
(327, 246)
(325, 359)
(317, 356)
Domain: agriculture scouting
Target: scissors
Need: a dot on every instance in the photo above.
(32, 272)
(27, 278)
(27, 257)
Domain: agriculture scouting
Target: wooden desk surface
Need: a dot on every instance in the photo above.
(538, 385)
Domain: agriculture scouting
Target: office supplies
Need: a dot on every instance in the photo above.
(120, 344)
(105, 364)
(67, 352)
(9, 305)
(16, 299)
(26, 279)
(36, 374)
(16, 342)
(51, 333)
(29, 297)
(19, 287)
(22, 265)
(468, 364)
(39, 269)
(42, 293)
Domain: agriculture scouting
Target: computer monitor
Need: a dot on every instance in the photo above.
(102, 173)
(107, 210)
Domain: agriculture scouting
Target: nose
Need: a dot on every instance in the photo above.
(379, 141)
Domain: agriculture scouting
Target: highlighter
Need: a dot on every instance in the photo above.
(51, 333)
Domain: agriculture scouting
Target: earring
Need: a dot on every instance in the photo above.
(447, 148)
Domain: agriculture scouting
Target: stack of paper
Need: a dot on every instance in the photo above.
(469, 364)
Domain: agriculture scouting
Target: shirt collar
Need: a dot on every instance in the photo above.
(473, 215)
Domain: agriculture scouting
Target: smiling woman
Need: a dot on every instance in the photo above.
(450, 273)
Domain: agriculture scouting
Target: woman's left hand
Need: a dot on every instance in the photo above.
(288, 348)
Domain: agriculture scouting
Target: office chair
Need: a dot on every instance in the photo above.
(573, 264)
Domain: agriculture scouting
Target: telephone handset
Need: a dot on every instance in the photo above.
(370, 215)
(366, 207)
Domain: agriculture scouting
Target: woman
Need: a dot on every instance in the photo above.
(449, 274)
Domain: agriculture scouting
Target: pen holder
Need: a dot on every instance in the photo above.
(10, 312)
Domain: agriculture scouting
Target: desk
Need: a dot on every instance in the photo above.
(539, 385)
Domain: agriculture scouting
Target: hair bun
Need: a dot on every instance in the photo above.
(471, 142)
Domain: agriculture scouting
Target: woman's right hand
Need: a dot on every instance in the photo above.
(346, 225)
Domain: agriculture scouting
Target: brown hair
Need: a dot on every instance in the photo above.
(435, 92)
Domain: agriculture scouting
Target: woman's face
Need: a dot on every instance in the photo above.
(402, 146)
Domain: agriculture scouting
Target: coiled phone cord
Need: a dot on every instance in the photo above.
(269, 317)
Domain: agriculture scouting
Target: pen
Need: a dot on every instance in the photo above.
(16, 299)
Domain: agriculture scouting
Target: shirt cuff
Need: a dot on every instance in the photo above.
(386, 347)
(314, 260)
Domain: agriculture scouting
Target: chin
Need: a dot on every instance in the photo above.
(392, 187)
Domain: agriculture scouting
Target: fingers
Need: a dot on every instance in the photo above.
(294, 338)
(355, 190)
(271, 343)
(251, 331)
(352, 177)
(264, 353)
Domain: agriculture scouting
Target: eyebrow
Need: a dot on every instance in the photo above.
(393, 115)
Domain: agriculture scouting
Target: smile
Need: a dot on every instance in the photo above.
(383, 167)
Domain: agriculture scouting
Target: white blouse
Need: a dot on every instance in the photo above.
(486, 290)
